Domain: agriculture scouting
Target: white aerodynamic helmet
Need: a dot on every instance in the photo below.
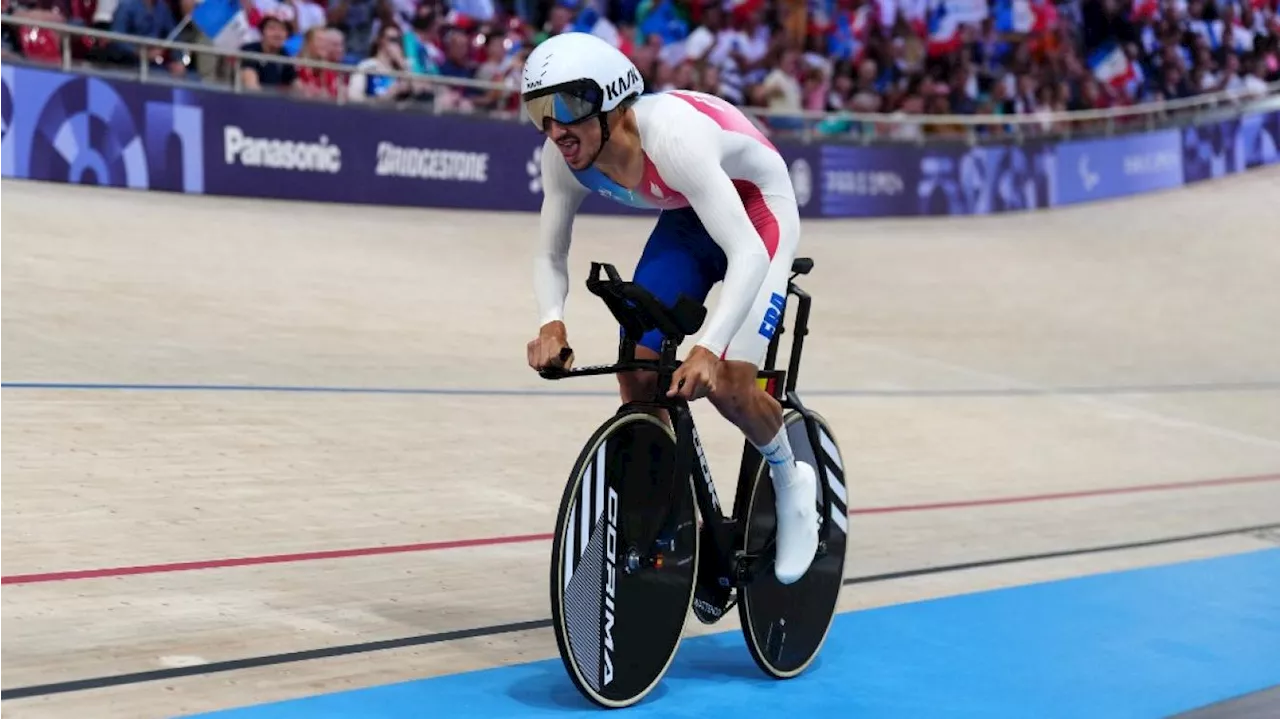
(575, 76)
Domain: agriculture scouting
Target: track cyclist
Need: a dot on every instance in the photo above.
(728, 212)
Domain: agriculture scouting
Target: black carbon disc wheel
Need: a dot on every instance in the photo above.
(786, 625)
(623, 561)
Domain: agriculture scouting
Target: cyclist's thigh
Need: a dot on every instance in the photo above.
(676, 261)
(780, 219)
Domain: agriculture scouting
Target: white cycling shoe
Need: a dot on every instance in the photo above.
(798, 523)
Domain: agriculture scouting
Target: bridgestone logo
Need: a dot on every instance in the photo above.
(428, 164)
(275, 154)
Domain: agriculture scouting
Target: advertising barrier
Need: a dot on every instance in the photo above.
(90, 130)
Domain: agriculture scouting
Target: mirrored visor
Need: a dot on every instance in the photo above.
(567, 106)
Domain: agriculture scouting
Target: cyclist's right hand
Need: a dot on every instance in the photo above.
(550, 348)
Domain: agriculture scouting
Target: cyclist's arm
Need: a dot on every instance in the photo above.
(686, 153)
(561, 196)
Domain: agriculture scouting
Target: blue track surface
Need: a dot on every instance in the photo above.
(1136, 644)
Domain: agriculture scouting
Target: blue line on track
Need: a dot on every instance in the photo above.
(1258, 386)
(1141, 644)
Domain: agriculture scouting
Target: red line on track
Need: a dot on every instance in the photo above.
(524, 538)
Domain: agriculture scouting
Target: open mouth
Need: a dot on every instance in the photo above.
(569, 148)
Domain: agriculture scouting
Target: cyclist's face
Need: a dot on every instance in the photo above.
(578, 143)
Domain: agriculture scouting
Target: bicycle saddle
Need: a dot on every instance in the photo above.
(638, 311)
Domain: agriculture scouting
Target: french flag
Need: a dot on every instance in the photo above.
(1111, 66)
(224, 21)
(1014, 16)
(944, 29)
(1025, 16)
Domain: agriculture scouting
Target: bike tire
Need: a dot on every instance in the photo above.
(786, 625)
(617, 638)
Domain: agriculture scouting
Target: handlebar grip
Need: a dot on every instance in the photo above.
(557, 372)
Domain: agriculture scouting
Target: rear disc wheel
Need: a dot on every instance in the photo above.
(786, 625)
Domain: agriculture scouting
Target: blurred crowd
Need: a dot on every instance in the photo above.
(940, 57)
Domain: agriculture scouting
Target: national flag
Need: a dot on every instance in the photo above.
(223, 21)
(1111, 66)
(944, 29)
(1014, 16)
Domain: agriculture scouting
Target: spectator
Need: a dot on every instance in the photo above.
(386, 54)
(457, 64)
(423, 47)
(144, 18)
(358, 20)
(10, 40)
(319, 43)
(494, 69)
(684, 76)
(1255, 83)
(782, 92)
(709, 80)
(262, 74)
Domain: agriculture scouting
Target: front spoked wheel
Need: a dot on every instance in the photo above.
(785, 625)
(623, 561)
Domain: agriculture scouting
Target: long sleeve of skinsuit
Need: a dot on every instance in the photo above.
(562, 194)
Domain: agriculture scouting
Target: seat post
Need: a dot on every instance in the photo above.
(799, 329)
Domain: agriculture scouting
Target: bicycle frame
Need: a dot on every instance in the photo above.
(733, 567)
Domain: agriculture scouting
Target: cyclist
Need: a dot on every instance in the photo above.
(728, 213)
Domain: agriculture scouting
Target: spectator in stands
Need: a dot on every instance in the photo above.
(369, 83)
(357, 19)
(1255, 82)
(144, 18)
(496, 68)
(781, 90)
(319, 43)
(424, 50)
(457, 64)
(10, 42)
(260, 75)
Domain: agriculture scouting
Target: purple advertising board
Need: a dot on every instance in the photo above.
(81, 129)
(947, 180)
(84, 129)
(1224, 148)
(1092, 170)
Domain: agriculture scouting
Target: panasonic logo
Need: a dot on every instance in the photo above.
(431, 164)
(275, 154)
(610, 582)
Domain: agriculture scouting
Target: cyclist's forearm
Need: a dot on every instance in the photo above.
(551, 262)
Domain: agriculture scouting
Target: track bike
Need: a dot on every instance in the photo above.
(641, 537)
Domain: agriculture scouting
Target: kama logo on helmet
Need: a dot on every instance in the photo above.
(619, 87)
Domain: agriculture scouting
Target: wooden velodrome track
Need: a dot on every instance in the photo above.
(207, 503)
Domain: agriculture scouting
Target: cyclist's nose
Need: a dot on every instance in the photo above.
(555, 130)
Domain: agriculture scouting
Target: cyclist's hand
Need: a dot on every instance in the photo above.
(545, 350)
(696, 376)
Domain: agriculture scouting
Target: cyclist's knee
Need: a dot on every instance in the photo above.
(736, 394)
(637, 386)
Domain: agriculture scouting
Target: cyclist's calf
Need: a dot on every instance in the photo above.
(741, 401)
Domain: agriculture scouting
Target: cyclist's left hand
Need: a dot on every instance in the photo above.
(696, 377)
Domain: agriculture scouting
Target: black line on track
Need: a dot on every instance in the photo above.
(497, 629)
